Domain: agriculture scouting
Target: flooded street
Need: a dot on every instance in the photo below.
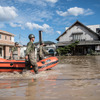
(74, 78)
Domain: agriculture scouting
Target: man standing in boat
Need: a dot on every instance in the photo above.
(30, 58)
(42, 51)
(14, 52)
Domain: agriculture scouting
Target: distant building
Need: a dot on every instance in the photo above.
(88, 37)
(23, 51)
(6, 43)
(49, 46)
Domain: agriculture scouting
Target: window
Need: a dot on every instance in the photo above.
(77, 37)
(98, 30)
(5, 37)
(10, 38)
(0, 36)
(51, 51)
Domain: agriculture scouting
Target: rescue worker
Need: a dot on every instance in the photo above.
(30, 58)
(14, 52)
(42, 51)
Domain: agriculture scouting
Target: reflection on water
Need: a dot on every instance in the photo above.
(74, 78)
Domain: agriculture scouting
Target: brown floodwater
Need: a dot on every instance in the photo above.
(74, 78)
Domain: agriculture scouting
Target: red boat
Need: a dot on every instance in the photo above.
(19, 65)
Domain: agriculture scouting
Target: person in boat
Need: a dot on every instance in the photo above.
(42, 51)
(30, 58)
(14, 52)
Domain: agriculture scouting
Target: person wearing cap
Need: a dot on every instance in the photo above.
(14, 52)
(42, 51)
(30, 58)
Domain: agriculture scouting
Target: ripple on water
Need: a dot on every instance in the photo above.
(27, 75)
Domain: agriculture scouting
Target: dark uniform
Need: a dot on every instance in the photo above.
(41, 52)
(30, 52)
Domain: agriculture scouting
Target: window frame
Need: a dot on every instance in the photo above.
(77, 36)
(10, 38)
(5, 37)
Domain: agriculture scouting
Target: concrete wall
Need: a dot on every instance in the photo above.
(7, 53)
(7, 39)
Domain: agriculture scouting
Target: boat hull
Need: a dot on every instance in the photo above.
(19, 65)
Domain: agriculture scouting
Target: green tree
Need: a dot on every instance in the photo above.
(67, 49)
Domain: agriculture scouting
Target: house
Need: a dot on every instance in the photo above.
(6, 43)
(88, 37)
(48, 45)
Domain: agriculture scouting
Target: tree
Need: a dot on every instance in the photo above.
(67, 49)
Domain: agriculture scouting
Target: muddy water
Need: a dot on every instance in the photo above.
(74, 78)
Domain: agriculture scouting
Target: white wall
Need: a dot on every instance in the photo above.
(78, 29)
(22, 53)
(93, 27)
(12, 39)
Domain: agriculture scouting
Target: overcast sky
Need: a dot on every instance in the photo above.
(23, 17)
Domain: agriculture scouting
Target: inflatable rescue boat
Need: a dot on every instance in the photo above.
(19, 65)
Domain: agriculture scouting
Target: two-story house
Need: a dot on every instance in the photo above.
(88, 37)
(6, 43)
